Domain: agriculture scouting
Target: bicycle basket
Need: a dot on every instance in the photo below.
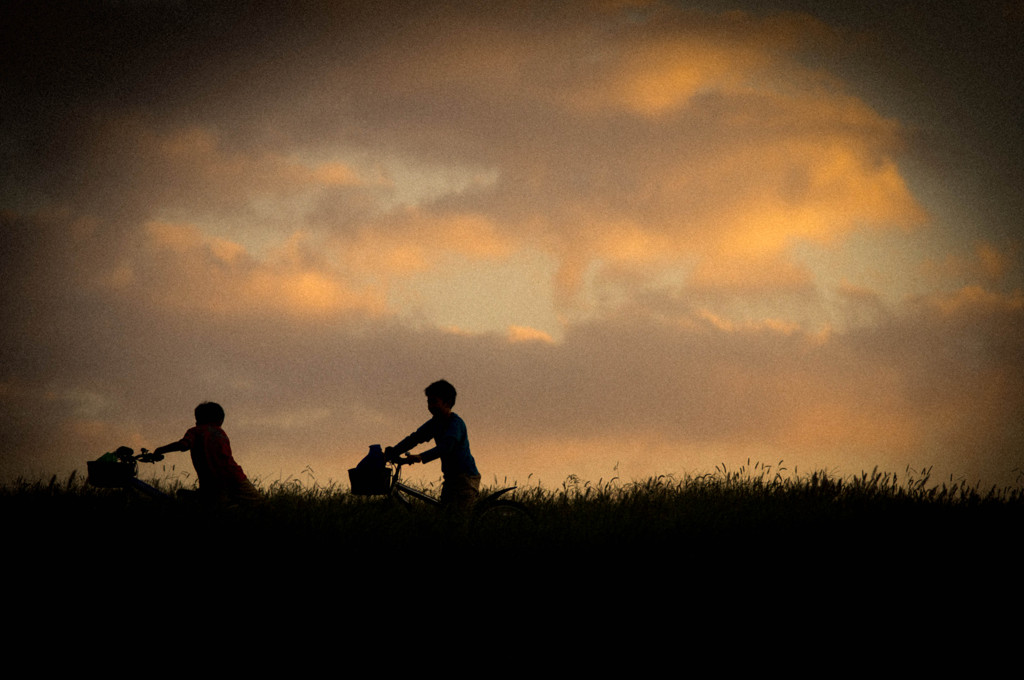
(370, 481)
(111, 474)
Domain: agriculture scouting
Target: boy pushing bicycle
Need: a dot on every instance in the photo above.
(221, 480)
(461, 484)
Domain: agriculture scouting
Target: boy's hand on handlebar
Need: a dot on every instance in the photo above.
(393, 457)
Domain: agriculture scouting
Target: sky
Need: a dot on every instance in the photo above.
(640, 238)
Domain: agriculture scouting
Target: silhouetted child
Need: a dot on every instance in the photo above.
(461, 484)
(221, 479)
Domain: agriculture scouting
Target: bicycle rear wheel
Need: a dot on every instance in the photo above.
(502, 522)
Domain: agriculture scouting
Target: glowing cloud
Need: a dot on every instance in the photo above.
(621, 229)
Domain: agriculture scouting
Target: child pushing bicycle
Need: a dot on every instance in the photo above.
(461, 479)
(221, 479)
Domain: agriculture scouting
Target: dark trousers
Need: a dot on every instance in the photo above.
(460, 491)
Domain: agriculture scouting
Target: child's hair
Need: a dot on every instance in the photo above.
(209, 413)
(443, 389)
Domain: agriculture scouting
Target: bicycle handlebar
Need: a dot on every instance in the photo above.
(126, 455)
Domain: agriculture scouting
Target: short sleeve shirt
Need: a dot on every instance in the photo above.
(211, 457)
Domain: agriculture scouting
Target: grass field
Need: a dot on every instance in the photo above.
(754, 507)
(604, 555)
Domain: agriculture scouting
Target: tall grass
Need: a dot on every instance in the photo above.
(613, 553)
(755, 504)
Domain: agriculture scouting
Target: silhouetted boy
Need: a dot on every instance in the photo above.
(221, 479)
(451, 444)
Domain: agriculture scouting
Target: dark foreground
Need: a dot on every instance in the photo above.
(811, 529)
(617, 570)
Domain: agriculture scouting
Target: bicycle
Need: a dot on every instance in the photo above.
(119, 470)
(488, 515)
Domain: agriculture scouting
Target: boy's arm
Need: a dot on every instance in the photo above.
(416, 438)
(444, 445)
(180, 445)
(393, 452)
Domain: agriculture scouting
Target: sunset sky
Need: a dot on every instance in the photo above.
(640, 238)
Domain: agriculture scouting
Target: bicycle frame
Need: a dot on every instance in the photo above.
(148, 489)
(397, 489)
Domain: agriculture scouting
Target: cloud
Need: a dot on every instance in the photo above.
(981, 263)
(527, 334)
(290, 212)
(664, 61)
(644, 135)
(722, 169)
(930, 382)
(180, 271)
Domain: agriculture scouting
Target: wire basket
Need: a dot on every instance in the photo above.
(111, 474)
(370, 481)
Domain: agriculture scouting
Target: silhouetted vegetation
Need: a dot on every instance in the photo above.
(610, 555)
(745, 512)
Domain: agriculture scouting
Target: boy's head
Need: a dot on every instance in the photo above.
(209, 413)
(443, 390)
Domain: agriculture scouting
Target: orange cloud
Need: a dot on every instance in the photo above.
(735, 151)
(655, 78)
(527, 334)
(201, 150)
(183, 238)
(975, 297)
(184, 170)
(660, 65)
(189, 270)
(988, 264)
(414, 241)
(750, 274)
